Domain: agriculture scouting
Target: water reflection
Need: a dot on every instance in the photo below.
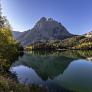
(27, 75)
(57, 71)
(78, 76)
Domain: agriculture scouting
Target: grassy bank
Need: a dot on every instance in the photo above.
(7, 84)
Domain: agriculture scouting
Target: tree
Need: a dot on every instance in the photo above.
(8, 45)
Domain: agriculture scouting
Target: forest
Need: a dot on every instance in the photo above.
(73, 43)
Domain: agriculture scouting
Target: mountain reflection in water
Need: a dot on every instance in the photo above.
(70, 70)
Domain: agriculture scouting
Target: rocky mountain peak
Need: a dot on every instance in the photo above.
(43, 19)
(49, 24)
(45, 29)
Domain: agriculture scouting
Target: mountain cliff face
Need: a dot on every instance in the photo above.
(45, 29)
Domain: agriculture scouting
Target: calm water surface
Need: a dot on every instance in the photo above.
(58, 71)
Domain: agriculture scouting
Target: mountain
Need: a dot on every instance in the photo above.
(44, 30)
(16, 34)
(89, 34)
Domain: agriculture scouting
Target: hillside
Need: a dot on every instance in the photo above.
(44, 30)
(89, 34)
(76, 42)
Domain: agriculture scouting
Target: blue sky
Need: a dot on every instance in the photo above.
(75, 15)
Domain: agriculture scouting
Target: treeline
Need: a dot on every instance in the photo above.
(9, 47)
(76, 42)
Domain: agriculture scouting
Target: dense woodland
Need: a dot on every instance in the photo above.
(76, 42)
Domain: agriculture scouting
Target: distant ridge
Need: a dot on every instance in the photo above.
(89, 34)
(16, 34)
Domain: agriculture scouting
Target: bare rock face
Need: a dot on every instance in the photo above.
(45, 29)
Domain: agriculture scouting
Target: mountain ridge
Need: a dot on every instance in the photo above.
(45, 29)
(89, 34)
(16, 34)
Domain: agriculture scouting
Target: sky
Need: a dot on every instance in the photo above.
(75, 15)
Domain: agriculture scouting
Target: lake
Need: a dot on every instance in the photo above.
(59, 71)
